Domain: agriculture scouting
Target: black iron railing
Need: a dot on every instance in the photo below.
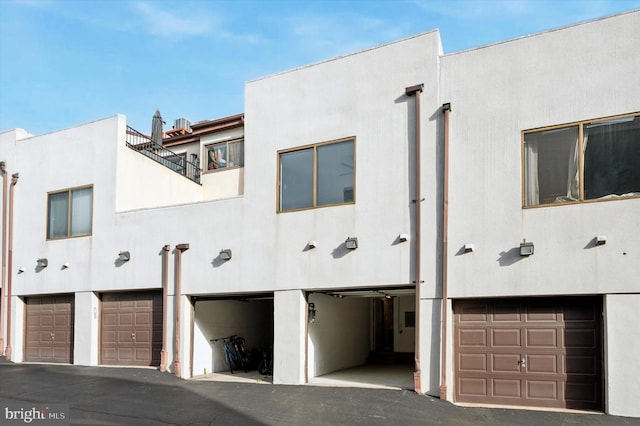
(176, 162)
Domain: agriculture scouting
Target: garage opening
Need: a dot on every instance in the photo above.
(49, 329)
(131, 328)
(248, 316)
(362, 338)
(542, 352)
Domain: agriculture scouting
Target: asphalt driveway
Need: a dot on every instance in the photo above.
(131, 396)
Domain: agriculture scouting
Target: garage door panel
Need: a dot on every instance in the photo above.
(473, 362)
(506, 337)
(131, 328)
(472, 386)
(543, 389)
(542, 338)
(580, 364)
(559, 340)
(474, 312)
(49, 329)
(505, 363)
(473, 337)
(580, 338)
(507, 388)
(543, 364)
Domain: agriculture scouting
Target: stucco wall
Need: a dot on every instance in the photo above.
(341, 334)
(495, 93)
(622, 369)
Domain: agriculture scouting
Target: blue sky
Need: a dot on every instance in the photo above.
(66, 62)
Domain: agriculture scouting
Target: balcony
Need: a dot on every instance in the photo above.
(176, 162)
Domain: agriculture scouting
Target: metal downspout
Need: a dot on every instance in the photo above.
(177, 367)
(3, 170)
(14, 181)
(417, 375)
(165, 290)
(446, 109)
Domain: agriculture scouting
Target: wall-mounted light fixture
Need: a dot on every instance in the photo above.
(601, 240)
(43, 262)
(351, 243)
(65, 265)
(124, 256)
(403, 237)
(312, 313)
(468, 248)
(225, 254)
(526, 248)
(312, 244)
(21, 270)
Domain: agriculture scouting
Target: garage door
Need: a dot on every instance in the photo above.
(131, 328)
(49, 329)
(543, 352)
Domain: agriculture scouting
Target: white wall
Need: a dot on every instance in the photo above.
(622, 369)
(289, 337)
(495, 93)
(86, 330)
(340, 336)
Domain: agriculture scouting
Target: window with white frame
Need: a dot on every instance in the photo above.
(317, 175)
(224, 155)
(69, 213)
(590, 160)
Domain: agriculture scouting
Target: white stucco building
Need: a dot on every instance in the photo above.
(313, 215)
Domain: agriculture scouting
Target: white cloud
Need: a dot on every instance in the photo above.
(476, 9)
(165, 24)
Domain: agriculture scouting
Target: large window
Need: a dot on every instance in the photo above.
(224, 155)
(590, 160)
(317, 175)
(69, 213)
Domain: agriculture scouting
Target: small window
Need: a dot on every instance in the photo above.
(316, 176)
(591, 160)
(69, 213)
(225, 155)
(410, 319)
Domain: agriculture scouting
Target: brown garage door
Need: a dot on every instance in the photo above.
(131, 328)
(49, 329)
(543, 352)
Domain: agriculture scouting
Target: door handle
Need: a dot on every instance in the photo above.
(522, 362)
(53, 335)
(133, 335)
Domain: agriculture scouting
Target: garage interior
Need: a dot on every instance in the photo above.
(249, 316)
(362, 337)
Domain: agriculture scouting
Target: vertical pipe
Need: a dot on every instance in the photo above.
(14, 181)
(3, 295)
(165, 290)
(416, 90)
(446, 109)
(177, 367)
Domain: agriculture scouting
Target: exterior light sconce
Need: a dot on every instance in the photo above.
(312, 313)
(526, 248)
(65, 265)
(468, 248)
(21, 270)
(601, 240)
(225, 254)
(351, 243)
(403, 237)
(124, 256)
(42, 262)
(312, 244)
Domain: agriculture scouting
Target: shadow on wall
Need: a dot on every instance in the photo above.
(508, 258)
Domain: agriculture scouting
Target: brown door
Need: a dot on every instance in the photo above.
(49, 329)
(131, 328)
(543, 352)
